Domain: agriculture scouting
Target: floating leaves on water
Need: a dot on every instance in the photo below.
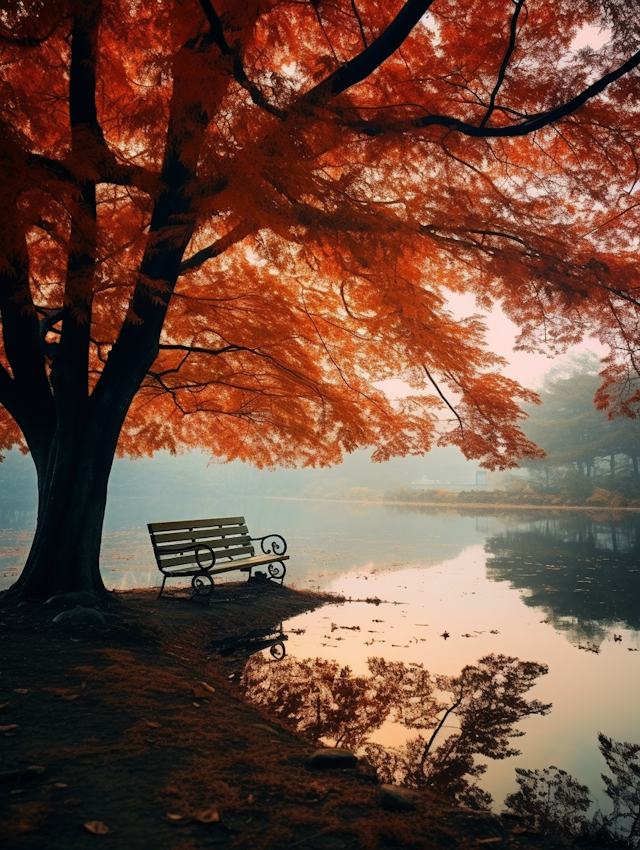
(3, 705)
(175, 816)
(8, 727)
(60, 785)
(250, 799)
(97, 827)
(208, 816)
(197, 704)
(70, 697)
(154, 724)
(21, 690)
(207, 687)
(200, 693)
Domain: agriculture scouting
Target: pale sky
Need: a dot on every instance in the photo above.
(527, 369)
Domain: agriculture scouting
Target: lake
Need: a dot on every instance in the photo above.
(436, 592)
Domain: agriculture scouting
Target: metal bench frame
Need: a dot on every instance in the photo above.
(203, 548)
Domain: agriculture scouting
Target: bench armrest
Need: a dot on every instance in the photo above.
(272, 544)
(193, 547)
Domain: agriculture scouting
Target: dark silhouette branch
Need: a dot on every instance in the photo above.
(438, 390)
(239, 74)
(530, 125)
(196, 349)
(236, 234)
(505, 61)
(359, 20)
(365, 63)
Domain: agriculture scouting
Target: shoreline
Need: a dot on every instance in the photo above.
(459, 505)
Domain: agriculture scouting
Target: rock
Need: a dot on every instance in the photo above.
(70, 600)
(334, 758)
(81, 617)
(393, 798)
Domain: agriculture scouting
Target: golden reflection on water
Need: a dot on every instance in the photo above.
(590, 692)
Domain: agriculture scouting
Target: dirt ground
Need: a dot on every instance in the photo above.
(139, 728)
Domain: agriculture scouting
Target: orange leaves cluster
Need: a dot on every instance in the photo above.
(333, 227)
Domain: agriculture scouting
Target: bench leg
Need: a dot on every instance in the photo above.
(277, 571)
(164, 578)
(202, 585)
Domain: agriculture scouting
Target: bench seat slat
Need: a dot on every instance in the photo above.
(195, 523)
(243, 565)
(198, 534)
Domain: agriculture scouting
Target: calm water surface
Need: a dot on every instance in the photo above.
(560, 591)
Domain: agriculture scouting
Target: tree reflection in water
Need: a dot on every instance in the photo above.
(582, 571)
(458, 717)
(555, 803)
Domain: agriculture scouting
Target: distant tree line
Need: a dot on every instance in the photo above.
(586, 450)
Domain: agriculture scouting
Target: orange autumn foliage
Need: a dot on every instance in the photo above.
(225, 224)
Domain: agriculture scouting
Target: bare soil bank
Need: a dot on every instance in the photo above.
(140, 727)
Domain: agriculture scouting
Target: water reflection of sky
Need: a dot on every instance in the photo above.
(537, 590)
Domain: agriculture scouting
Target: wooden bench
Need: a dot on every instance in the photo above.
(203, 548)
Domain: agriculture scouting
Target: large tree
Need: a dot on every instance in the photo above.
(223, 224)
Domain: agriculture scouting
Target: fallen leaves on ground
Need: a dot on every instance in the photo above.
(97, 827)
(209, 816)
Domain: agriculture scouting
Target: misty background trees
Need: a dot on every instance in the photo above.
(591, 459)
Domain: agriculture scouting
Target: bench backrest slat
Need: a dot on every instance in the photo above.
(177, 560)
(215, 534)
(227, 536)
(195, 523)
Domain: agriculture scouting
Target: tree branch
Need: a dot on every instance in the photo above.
(438, 390)
(108, 168)
(359, 20)
(365, 63)
(29, 40)
(236, 234)
(505, 61)
(196, 349)
(530, 125)
(72, 357)
(239, 74)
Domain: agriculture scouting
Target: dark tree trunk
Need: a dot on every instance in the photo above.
(72, 434)
(72, 496)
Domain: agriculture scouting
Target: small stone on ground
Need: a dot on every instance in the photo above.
(81, 616)
(69, 600)
(336, 759)
(397, 799)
